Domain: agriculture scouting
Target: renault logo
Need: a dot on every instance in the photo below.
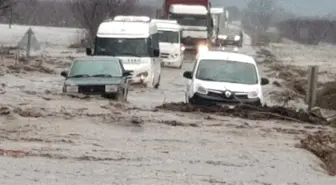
(228, 94)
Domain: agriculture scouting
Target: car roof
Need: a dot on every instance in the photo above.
(126, 29)
(94, 58)
(225, 55)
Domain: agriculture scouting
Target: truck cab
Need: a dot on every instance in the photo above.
(218, 18)
(196, 23)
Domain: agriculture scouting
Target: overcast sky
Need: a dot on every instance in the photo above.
(301, 7)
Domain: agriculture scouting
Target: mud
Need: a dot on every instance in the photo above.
(323, 145)
(295, 79)
(326, 97)
(248, 112)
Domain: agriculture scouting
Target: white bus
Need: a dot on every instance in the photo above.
(133, 39)
(171, 48)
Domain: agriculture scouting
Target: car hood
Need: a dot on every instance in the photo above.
(92, 81)
(222, 86)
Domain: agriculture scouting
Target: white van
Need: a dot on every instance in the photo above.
(171, 48)
(133, 39)
(221, 77)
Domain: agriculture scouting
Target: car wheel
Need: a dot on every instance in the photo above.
(126, 95)
(192, 101)
(186, 98)
(120, 96)
(258, 104)
(156, 86)
(180, 65)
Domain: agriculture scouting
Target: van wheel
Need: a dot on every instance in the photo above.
(156, 86)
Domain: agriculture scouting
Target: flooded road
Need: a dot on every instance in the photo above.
(49, 138)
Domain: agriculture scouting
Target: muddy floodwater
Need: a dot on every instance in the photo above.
(50, 138)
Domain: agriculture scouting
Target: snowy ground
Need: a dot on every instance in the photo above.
(94, 141)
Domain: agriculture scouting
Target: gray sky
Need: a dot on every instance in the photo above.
(301, 7)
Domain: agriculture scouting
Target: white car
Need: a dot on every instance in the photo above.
(224, 77)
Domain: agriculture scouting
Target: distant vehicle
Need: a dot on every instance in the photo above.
(220, 77)
(230, 36)
(133, 39)
(164, 11)
(104, 76)
(218, 17)
(196, 23)
(171, 48)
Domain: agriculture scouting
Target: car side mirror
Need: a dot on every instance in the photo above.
(187, 74)
(127, 73)
(156, 52)
(264, 81)
(89, 51)
(64, 74)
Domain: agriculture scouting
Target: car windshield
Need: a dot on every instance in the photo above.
(227, 71)
(169, 36)
(121, 47)
(191, 20)
(230, 31)
(88, 68)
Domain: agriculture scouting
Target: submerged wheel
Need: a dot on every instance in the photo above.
(156, 86)
(120, 96)
(181, 65)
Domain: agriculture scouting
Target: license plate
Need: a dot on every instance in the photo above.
(228, 106)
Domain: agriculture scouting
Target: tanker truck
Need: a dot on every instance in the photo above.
(194, 16)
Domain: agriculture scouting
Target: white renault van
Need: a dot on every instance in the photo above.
(133, 39)
(221, 77)
(171, 48)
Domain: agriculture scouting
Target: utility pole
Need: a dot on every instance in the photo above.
(10, 17)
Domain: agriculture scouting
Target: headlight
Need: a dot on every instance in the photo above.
(252, 94)
(222, 37)
(237, 37)
(173, 56)
(111, 88)
(72, 88)
(142, 75)
(182, 48)
(201, 90)
(202, 48)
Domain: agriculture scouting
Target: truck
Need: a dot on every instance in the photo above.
(194, 16)
(218, 17)
(168, 3)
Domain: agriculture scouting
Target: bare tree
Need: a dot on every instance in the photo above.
(90, 13)
(260, 13)
(5, 5)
